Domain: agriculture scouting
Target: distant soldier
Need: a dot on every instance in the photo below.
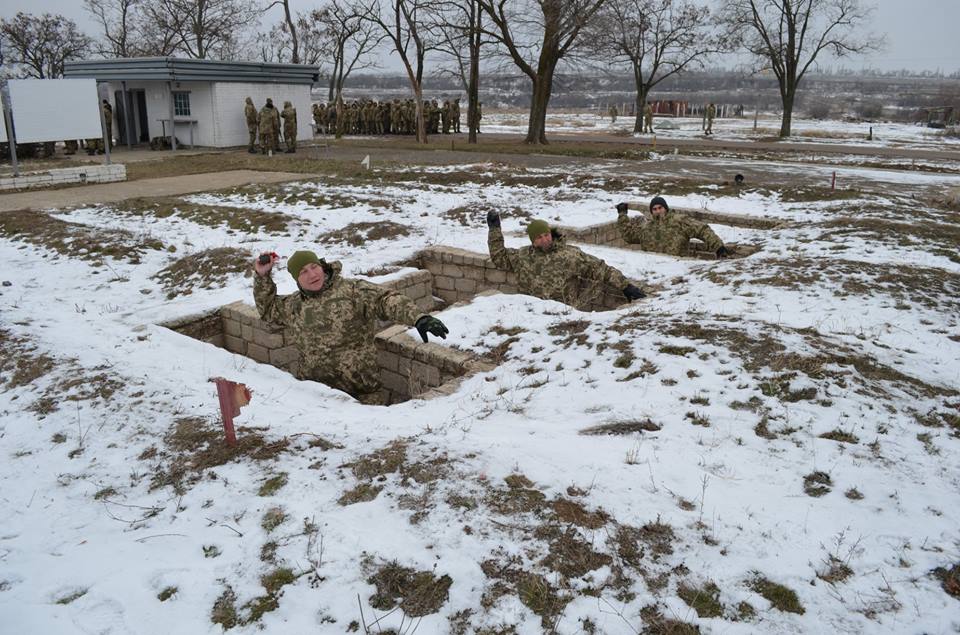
(268, 128)
(318, 118)
(455, 113)
(70, 146)
(276, 128)
(552, 270)
(445, 116)
(253, 124)
(667, 232)
(334, 320)
(290, 126)
(613, 114)
(108, 122)
(711, 114)
(648, 118)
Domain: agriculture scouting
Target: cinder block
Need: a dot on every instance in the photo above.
(473, 272)
(387, 360)
(268, 340)
(425, 374)
(453, 271)
(282, 357)
(508, 288)
(443, 282)
(465, 286)
(246, 332)
(234, 344)
(394, 382)
(231, 327)
(435, 267)
(447, 295)
(257, 352)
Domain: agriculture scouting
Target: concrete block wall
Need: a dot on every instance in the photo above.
(63, 176)
(458, 274)
(418, 286)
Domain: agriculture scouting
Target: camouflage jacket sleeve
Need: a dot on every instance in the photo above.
(630, 230)
(385, 304)
(696, 229)
(501, 256)
(272, 308)
(593, 268)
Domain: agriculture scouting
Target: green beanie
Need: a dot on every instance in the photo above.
(536, 228)
(299, 260)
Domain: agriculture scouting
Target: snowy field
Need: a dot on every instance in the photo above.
(735, 129)
(763, 445)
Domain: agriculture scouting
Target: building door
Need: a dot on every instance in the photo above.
(140, 99)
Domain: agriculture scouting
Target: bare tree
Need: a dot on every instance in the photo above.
(202, 29)
(291, 29)
(459, 27)
(39, 46)
(405, 24)
(117, 20)
(346, 39)
(788, 35)
(656, 38)
(537, 34)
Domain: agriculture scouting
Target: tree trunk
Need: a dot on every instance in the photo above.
(785, 123)
(339, 123)
(542, 86)
(421, 127)
(295, 56)
(641, 102)
(473, 84)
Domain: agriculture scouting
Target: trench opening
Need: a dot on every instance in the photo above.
(409, 368)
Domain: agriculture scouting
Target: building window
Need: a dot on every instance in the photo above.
(181, 104)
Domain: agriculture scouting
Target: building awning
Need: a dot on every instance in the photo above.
(190, 70)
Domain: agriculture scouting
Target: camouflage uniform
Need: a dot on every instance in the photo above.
(648, 118)
(290, 126)
(455, 113)
(711, 114)
(562, 272)
(253, 121)
(613, 114)
(267, 131)
(445, 116)
(276, 128)
(108, 121)
(334, 328)
(669, 235)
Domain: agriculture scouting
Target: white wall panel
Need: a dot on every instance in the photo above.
(55, 109)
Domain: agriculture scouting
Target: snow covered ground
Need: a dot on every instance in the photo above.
(765, 444)
(735, 129)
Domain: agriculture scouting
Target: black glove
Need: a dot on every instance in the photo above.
(632, 293)
(493, 220)
(431, 325)
(621, 208)
(722, 252)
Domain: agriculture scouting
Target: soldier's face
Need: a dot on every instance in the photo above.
(543, 241)
(658, 211)
(312, 277)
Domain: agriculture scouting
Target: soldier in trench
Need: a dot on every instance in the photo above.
(553, 270)
(334, 320)
(666, 231)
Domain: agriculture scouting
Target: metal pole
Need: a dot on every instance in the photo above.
(127, 114)
(8, 122)
(173, 136)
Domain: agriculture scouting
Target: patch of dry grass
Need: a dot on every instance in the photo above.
(234, 218)
(362, 233)
(416, 593)
(204, 269)
(75, 240)
(196, 445)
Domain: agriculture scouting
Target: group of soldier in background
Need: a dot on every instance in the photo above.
(267, 124)
(368, 117)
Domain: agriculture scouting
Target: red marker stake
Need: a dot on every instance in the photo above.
(232, 397)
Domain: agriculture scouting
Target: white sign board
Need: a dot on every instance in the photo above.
(55, 109)
(3, 130)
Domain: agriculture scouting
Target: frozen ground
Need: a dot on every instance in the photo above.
(763, 445)
(734, 129)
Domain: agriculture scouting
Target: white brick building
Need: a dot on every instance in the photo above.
(205, 97)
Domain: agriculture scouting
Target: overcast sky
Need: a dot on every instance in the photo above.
(921, 34)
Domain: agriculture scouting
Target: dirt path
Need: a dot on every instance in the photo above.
(112, 192)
